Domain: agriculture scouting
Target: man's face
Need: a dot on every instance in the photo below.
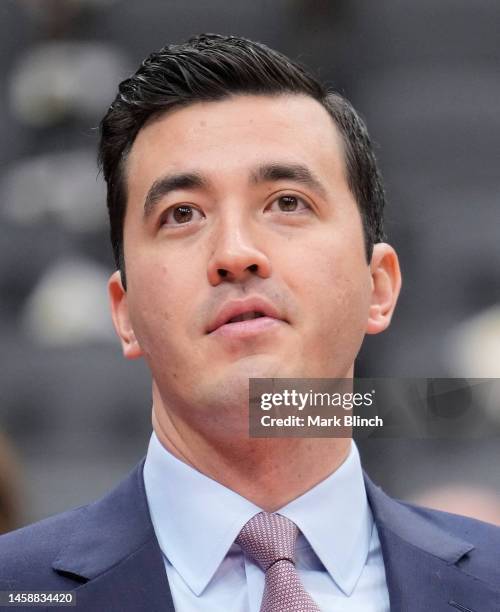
(242, 205)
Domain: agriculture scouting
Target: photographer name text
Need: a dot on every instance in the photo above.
(347, 420)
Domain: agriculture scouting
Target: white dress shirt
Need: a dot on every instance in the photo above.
(196, 521)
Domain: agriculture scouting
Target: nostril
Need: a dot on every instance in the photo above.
(253, 268)
(222, 273)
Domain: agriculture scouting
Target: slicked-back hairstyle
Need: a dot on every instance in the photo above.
(212, 67)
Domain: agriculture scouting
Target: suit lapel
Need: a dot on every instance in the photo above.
(114, 553)
(137, 584)
(422, 562)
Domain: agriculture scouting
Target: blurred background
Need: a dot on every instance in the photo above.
(425, 76)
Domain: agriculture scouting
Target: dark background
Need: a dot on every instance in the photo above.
(425, 76)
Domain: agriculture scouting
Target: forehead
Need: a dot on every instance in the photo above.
(230, 136)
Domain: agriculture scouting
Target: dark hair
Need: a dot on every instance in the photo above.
(212, 67)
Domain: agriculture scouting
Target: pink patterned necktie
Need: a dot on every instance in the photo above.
(270, 540)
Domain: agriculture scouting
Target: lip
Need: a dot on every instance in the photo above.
(235, 308)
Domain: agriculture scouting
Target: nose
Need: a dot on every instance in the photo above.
(236, 257)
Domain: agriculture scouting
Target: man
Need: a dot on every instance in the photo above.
(246, 222)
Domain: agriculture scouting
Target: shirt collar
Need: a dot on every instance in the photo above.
(197, 519)
(336, 520)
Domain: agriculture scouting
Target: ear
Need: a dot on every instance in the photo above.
(386, 284)
(121, 318)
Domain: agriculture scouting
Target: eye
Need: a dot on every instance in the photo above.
(289, 203)
(181, 214)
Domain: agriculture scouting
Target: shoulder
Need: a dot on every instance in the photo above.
(484, 537)
(416, 532)
(407, 518)
(462, 526)
(474, 546)
(73, 547)
(27, 554)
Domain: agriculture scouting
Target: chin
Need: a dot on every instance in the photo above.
(260, 366)
(229, 384)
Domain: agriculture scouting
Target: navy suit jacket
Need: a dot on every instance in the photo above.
(107, 553)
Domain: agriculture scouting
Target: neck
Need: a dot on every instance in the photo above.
(270, 472)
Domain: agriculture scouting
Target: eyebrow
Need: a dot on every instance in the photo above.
(288, 171)
(271, 172)
(171, 182)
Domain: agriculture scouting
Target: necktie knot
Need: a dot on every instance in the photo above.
(269, 538)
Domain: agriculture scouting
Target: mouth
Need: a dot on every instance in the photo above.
(247, 316)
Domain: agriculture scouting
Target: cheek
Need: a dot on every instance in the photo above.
(156, 305)
(333, 288)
